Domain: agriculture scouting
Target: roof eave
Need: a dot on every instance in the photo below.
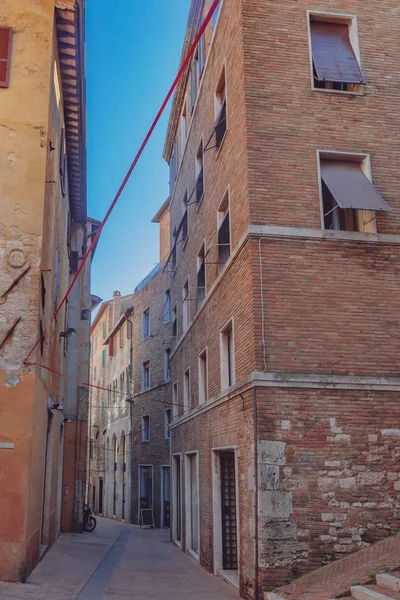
(70, 28)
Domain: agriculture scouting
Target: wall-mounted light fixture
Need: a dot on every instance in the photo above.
(66, 334)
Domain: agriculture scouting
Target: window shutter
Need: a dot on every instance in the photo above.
(333, 55)
(73, 261)
(5, 55)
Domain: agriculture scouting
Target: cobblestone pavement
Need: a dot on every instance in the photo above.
(116, 562)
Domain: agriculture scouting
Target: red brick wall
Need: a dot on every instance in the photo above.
(287, 121)
(341, 470)
(329, 306)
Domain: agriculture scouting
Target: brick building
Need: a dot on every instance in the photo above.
(284, 271)
(129, 447)
(44, 233)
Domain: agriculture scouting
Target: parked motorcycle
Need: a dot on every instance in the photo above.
(89, 521)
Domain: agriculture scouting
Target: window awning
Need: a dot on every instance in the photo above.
(333, 55)
(350, 187)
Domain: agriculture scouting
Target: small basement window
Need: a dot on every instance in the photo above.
(335, 53)
(349, 198)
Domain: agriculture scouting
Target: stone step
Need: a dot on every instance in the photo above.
(388, 581)
(272, 596)
(359, 592)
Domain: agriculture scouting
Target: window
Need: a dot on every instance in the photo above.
(146, 324)
(201, 55)
(184, 222)
(183, 127)
(227, 357)
(95, 374)
(173, 258)
(335, 53)
(199, 173)
(173, 167)
(103, 357)
(111, 347)
(5, 55)
(91, 449)
(194, 81)
(146, 428)
(201, 276)
(104, 329)
(167, 306)
(146, 375)
(167, 371)
(349, 199)
(175, 323)
(167, 423)
(220, 110)
(215, 15)
(203, 377)
(186, 389)
(224, 236)
(175, 406)
(185, 306)
(103, 410)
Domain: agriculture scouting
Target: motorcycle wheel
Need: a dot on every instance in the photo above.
(90, 525)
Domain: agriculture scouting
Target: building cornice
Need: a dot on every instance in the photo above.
(70, 28)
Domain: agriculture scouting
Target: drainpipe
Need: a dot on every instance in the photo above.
(256, 489)
(127, 313)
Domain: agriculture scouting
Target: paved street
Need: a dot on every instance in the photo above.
(118, 562)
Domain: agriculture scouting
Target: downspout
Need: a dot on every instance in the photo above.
(130, 402)
(256, 490)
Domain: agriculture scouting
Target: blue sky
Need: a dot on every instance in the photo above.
(133, 52)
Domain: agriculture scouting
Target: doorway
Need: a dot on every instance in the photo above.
(145, 487)
(166, 496)
(124, 457)
(192, 503)
(101, 492)
(177, 499)
(225, 510)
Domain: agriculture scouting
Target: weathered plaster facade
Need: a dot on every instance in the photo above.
(40, 215)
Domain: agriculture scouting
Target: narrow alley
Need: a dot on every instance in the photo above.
(115, 562)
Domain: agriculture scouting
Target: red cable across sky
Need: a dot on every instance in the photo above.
(189, 55)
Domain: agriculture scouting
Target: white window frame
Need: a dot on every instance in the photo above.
(167, 369)
(365, 163)
(144, 439)
(146, 318)
(225, 384)
(351, 21)
(167, 434)
(144, 387)
(175, 400)
(203, 385)
(187, 388)
(167, 311)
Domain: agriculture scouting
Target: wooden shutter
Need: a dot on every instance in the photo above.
(5, 55)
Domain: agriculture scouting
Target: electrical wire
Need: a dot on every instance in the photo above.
(95, 239)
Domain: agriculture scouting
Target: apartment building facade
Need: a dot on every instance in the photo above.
(110, 421)
(130, 400)
(44, 233)
(285, 305)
